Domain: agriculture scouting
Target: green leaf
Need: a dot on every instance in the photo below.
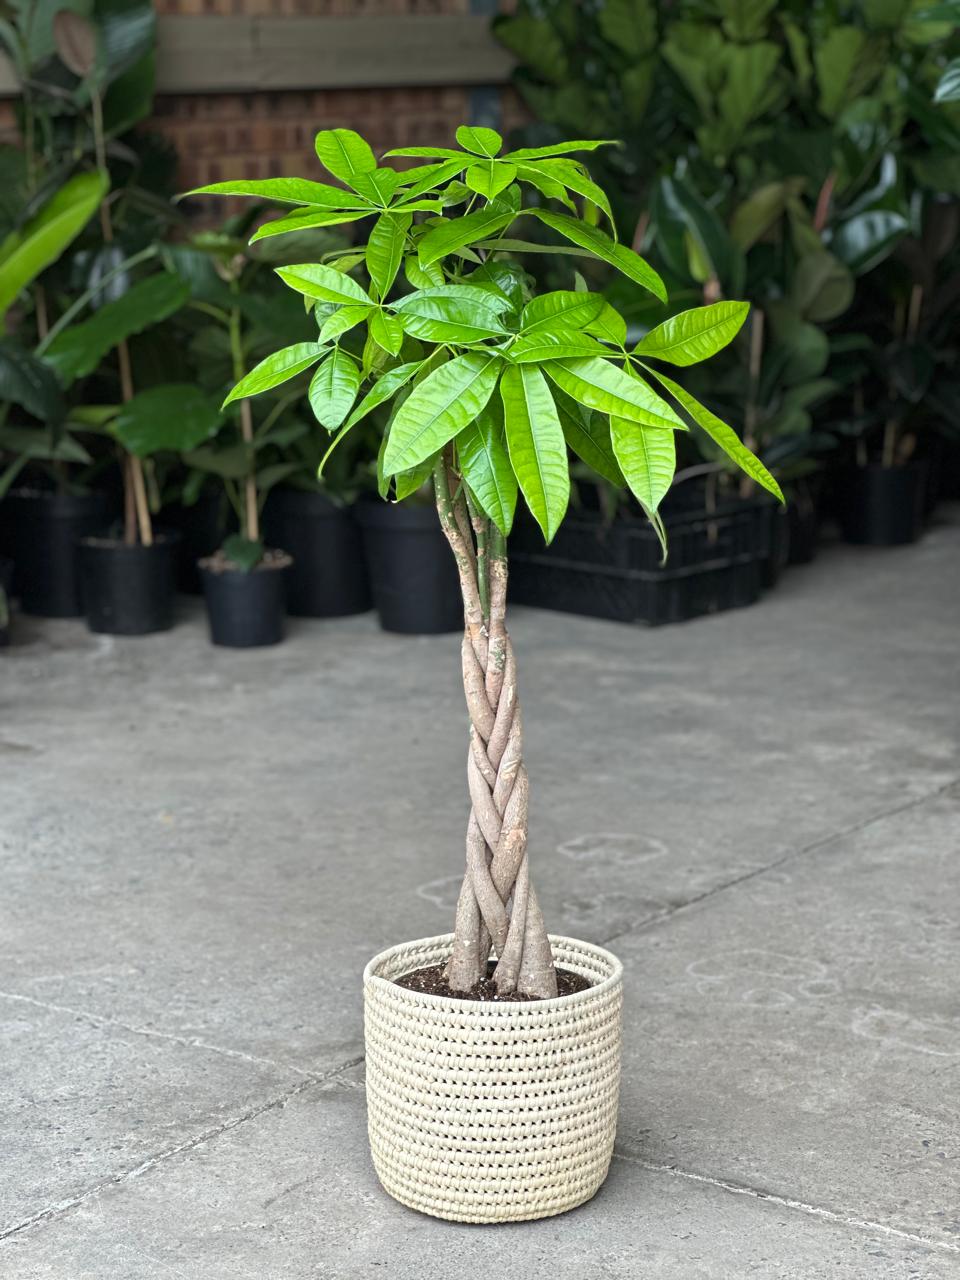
(27, 252)
(452, 313)
(647, 458)
(378, 186)
(422, 277)
(547, 186)
(561, 148)
(538, 450)
(572, 175)
(382, 390)
(722, 435)
(174, 417)
(78, 350)
(306, 220)
(455, 233)
(609, 325)
(279, 366)
(28, 382)
(485, 465)
(601, 246)
(386, 331)
(862, 242)
(385, 249)
(408, 482)
(588, 435)
(428, 177)
(286, 191)
(554, 344)
(482, 142)
(692, 336)
(561, 309)
(438, 409)
(603, 386)
(342, 320)
(490, 177)
(315, 280)
(243, 553)
(333, 389)
(344, 153)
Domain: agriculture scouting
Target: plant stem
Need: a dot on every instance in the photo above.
(77, 306)
(251, 519)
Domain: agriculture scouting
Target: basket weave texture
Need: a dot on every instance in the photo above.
(487, 1112)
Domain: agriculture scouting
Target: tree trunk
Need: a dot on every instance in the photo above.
(497, 906)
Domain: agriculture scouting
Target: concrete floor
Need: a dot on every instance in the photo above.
(759, 812)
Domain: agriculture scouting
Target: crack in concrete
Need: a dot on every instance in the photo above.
(189, 1144)
(786, 1202)
(189, 1042)
(669, 912)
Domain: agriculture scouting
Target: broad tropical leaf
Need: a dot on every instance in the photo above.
(344, 153)
(538, 450)
(605, 387)
(588, 435)
(561, 149)
(384, 251)
(278, 367)
(453, 313)
(554, 344)
(315, 280)
(692, 336)
(78, 350)
(173, 417)
(386, 331)
(561, 309)
(333, 389)
(286, 191)
(647, 458)
(455, 233)
(382, 390)
(481, 141)
(601, 246)
(724, 436)
(438, 409)
(571, 174)
(342, 320)
(306, 220)
(27, 252)
(485, 465)
(609, 325)
(27, 381)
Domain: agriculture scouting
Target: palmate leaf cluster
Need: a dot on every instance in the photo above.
(445, 329)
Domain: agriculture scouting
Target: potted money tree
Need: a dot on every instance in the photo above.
(493, 1051)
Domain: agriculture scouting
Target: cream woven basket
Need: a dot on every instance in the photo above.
(484, 1112)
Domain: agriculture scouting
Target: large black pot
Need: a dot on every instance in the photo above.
(775, 533)
(412, 570)
(883, 506)
(129, 590)
(40, 532)
(246, 609)
(328, 577)
(202, 528)
(803, 519)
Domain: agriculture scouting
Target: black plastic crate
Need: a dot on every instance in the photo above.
(612, 570)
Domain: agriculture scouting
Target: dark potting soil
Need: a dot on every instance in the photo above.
(219, 563)
(432, 981)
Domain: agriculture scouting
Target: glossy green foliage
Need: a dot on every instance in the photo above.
(473, 365)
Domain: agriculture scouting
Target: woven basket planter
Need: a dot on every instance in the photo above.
(486, 1112)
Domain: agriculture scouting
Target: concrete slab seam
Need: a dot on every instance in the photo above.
(785, 1202)
(189, 1144)
(822, 842)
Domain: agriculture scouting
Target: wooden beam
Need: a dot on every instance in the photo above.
(238, 54)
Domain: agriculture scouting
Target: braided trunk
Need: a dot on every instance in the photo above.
(497, 906)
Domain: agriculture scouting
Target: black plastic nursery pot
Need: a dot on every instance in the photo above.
(776, 534)
(202, 527)
(412, 571)
(328, 577)
(129, 590)
(612, 570)
(246, 609)
(40, 532)
(803, 520)
(6, 586)
(883, 506)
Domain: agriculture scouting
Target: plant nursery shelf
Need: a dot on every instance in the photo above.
(235, 54)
